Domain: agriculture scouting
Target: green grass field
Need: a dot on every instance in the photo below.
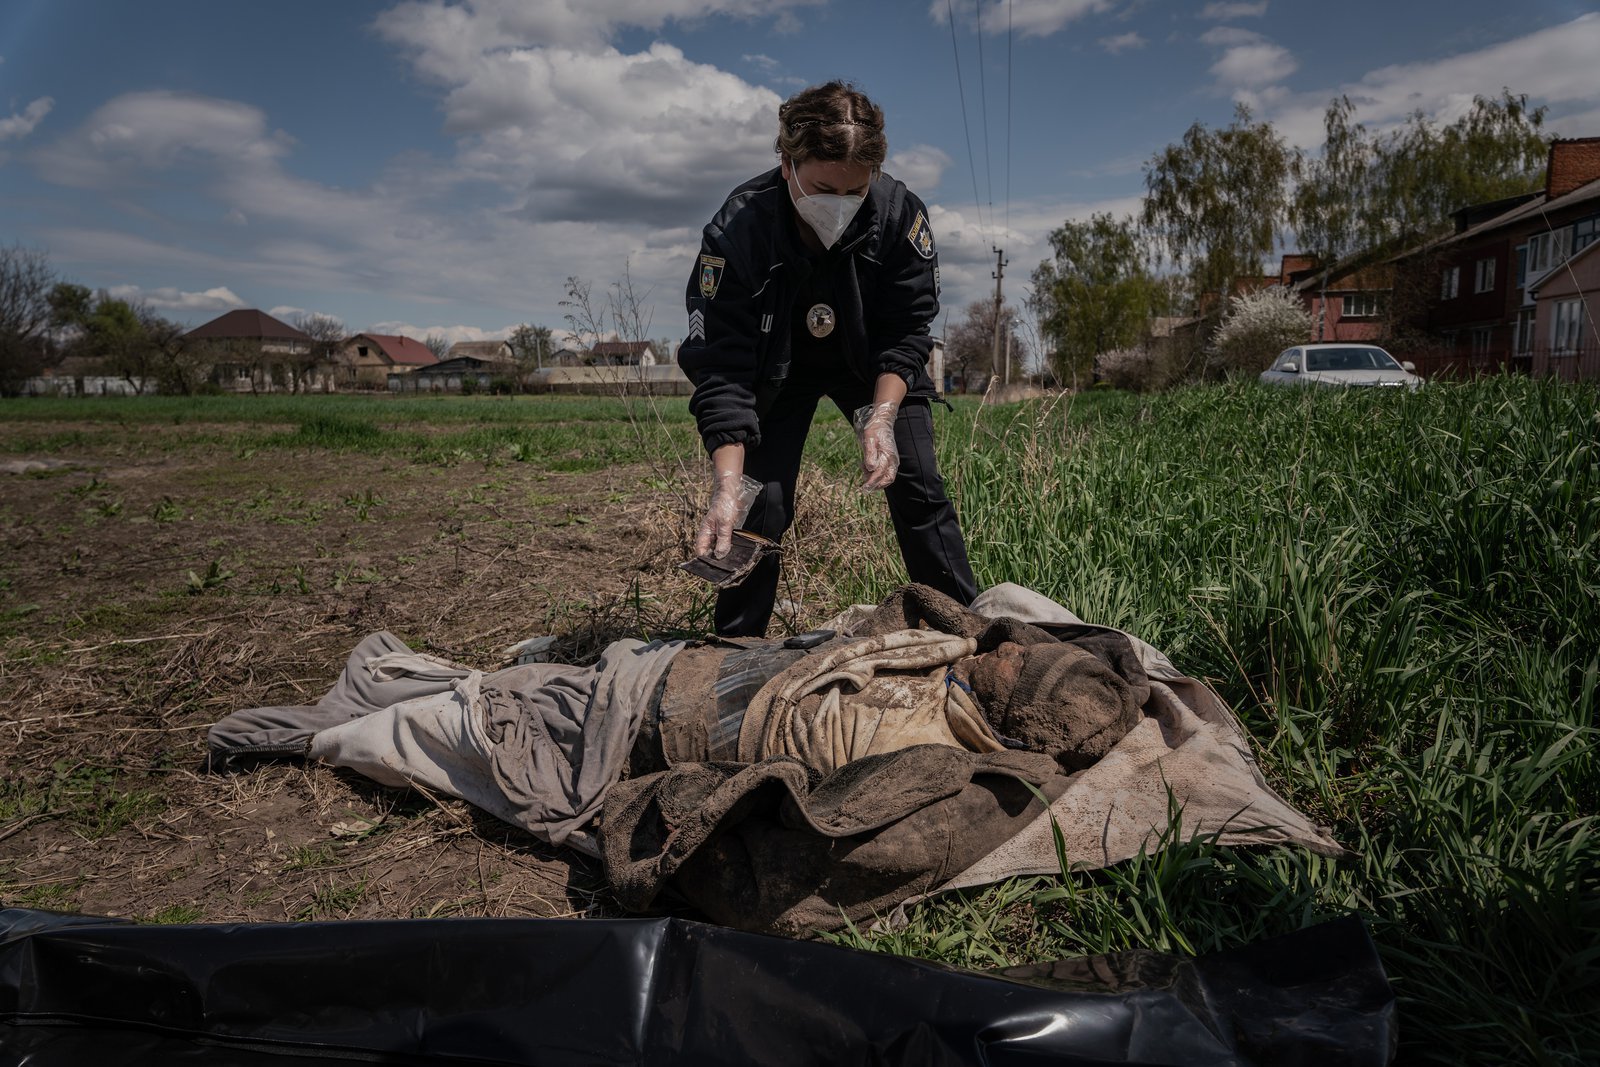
(1398, 593)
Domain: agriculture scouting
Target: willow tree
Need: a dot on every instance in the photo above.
(1095, 295)
(1330, 211)
(1423, 172)
(1217, 200)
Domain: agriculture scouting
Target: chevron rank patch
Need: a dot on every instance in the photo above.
(921, 237)
(697, 325)
(710, 275)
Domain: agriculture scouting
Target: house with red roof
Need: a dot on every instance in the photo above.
(367, 359)
(252, 352)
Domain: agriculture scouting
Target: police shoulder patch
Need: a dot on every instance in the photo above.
(710, 275)
(921, 237)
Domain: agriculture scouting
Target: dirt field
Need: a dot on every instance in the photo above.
(147, 592)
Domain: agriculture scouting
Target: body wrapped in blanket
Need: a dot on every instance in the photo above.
(788, 789)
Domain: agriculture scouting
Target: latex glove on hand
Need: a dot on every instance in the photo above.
(880, 459)
(731, 496)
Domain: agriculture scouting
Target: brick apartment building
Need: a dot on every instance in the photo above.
(1480, 283)
(1350, 303)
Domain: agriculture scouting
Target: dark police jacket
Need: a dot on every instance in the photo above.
(742, 292)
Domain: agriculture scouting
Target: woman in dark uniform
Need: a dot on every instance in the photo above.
(819, 278)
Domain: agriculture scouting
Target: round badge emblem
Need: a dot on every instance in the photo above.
(819, 320)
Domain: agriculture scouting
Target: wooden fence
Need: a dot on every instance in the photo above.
(1572, 365)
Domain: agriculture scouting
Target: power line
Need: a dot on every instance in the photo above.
(1008, 116)
(960, 89)
(983, 98)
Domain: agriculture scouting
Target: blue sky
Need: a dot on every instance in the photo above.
(443, 165)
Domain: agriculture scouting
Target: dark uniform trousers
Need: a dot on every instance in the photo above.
(924, 519)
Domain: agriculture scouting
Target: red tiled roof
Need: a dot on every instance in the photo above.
(402, 350)
(248, 324)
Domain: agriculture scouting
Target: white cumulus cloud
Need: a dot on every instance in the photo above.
(158, 131)
(919, 166)
(1554, 66)
(1248, 60)
(452, 334)
(22, 123)
(1030, 18)
(170, 298)
(1239, 10)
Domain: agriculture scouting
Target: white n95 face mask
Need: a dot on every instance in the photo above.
(827, 214)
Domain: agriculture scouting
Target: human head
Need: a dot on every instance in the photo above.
(835, 123)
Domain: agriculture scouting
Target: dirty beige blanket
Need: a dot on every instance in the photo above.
(864, 697)
(1188, 747)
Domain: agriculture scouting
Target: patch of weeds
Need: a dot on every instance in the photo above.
(19, 611)
(88, 488)
(440, 909)
(108, 509)
(300, 586)
(89, 799)
(72, 562)
(355, 576)
(333, 901)
(19, 801)
(336, 432)
(483, 494)
(310, 858)
(215, 576)
(115, 810)
(53, 896)
(177, 915)
(313, 515)
(363, 503)
(166, 511)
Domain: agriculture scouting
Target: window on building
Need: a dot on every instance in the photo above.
(1585, 232)
(1485, 276)
(1450, 284)
(1548, 249)
(1359, 306)
(1566, 327)
(1482, 336)
(1538, 254)
(1522, 265)
(1524, 337)
(362, 349)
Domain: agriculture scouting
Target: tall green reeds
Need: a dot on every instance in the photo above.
(1400, 595)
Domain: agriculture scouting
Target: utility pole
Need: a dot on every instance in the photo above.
(999, 277)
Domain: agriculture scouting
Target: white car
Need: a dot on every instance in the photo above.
(1340, 364)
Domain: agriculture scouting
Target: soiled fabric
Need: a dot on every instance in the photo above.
(862, 698)
(561, 736)
(364, 686)
(1059, 698)
(778, 847)
(536, 745)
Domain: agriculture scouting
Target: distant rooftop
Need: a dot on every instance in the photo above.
(248, 324)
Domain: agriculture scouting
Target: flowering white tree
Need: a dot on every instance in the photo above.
(1257, 327)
